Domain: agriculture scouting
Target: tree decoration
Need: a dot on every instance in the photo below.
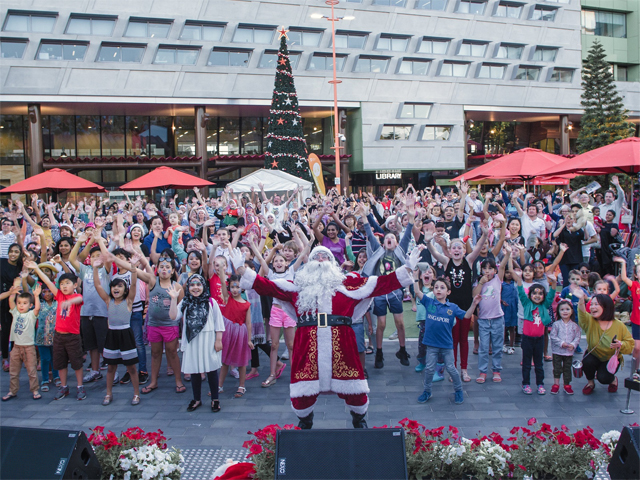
(605, 118)
(286, 147)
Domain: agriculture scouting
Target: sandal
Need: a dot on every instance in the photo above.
(136, 400)
(170, 372)
(9, 396)
(465, 376)
(279, 372)
(107, 400)
(37, 396)
(181, 389)
(57, 382)
(271, 379)
(252, 375)
(148, 389)
(369, 350)
(193, 404)
(548, 358)
(5, 366)
(241, 391)
(220, 390)
(475, 351)
(215, 406)
(187, 377)
(44, 386)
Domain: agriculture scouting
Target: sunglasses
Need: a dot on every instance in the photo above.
(585, 271)
(165, 258)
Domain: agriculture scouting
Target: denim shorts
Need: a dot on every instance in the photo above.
(635, 331)
(358, 329)
(392, 301)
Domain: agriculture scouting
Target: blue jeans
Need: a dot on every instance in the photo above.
(46, 356)
(432, 358)
(137, 321)
(532, 348)
(490, 331)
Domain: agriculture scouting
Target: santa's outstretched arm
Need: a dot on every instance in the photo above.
(263, 286)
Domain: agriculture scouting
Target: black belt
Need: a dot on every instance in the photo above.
(322, 320)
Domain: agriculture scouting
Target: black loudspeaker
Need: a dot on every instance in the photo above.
(30, 453)
(371, 454)
(625, 461)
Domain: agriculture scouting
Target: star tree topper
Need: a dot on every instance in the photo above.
(283, 33)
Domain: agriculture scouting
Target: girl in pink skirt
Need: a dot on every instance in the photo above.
(236, 339)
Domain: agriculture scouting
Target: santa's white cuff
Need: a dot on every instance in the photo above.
(404, 276)
(248, 279)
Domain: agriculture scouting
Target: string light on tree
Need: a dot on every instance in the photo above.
(286, 147)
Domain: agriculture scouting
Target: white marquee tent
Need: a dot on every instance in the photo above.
(274, 181)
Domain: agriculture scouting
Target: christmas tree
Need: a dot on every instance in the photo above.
(605, 118)
(286, 147)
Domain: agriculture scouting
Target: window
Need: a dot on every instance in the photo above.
(491, 70)
(167, 55)
(472, 49)
(475, 7)
(269, 59)
(506, 50)
(561, 75)
(527, 73)
(413, 66)
(544, 14)
(251, 34)
(306, 38)
(508, 10)
(202, 31)
(395, 132)
(371, 64)
(436, 132)
(226, 57)
(350, 39)
(324, 61)
(604, 24)
(121, 53)
(431, 4)
(619, 72)
(81, 25)
(433, 45)
(62, 51)
(389, 3)
(148, 28)
(29, 22)
(12, 48)
(392, 43)
(545, 54)
(454, 69)
(415, 110)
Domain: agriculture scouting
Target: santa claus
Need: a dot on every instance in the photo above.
(325, 354)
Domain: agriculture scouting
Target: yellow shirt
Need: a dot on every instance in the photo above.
(599, 341)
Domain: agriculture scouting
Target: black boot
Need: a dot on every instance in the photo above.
(403, 356)
(358, 420)
(379, 363)
(306, 423)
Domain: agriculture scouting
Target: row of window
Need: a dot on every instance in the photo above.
(403, 132)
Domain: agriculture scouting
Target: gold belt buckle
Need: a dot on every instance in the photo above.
(320, 317)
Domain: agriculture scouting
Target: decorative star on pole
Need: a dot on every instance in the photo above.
(280, 121)
(283, 33)
(295, 122)
(288, 101)
(298, 164)
(282, 61)
(274, 164)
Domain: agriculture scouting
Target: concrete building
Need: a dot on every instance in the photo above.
(111, 88)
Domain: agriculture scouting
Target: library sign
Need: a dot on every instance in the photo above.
(388, 174)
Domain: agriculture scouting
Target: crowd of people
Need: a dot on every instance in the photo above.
(99, 283)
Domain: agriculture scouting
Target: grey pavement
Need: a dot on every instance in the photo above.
(394, 389)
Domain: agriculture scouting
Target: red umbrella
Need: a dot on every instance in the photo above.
(165, 178)
(55, 181)
(525, 164)
(622, 156)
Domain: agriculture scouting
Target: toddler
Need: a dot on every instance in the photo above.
(564, 337)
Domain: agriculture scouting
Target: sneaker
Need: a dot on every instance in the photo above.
(437, 377)
(103, 365)
(81, 395)
(379, 362)
(62, 392)
(424, 397)
(143, 377)
(459, 398)
(116, 379)
(555, 389)
(578, 349)
(234, 372)
(420, 367)
(91, 377)
(541, 390)
(496, 377)
(394, 336)
(403, 356)
(505, 349)
(526, 389)
(126, 379)
(511, 351)
(284, 356)
(568, 390)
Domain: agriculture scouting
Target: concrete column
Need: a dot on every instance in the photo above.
(36, 150)
(564, 135)
(201, 139)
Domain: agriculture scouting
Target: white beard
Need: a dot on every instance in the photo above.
(317, 283)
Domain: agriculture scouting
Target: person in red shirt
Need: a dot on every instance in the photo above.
(634, 289)
(67, 345)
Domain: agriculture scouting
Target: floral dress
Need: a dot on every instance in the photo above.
(46, 324)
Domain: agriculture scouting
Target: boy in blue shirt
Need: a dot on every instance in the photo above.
(440, 320)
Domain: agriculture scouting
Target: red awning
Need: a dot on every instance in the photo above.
(165, 178)
(55, 180)
(137, 160)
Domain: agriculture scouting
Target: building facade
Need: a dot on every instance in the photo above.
(111, 88)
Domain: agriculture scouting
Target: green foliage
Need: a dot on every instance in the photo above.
(286, 147)
(605, 118)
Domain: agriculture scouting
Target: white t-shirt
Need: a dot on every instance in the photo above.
(532, 227)
(590, 231)
(23, 328)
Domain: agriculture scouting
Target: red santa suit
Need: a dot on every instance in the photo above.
(325, 359)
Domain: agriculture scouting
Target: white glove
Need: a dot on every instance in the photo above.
(413, 259)
(237, 258)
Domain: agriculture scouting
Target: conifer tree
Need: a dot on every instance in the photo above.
(605, 118)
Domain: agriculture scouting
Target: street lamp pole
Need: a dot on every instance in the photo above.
(335, 83)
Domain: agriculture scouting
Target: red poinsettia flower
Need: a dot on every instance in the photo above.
(255, 449)
(532, 421)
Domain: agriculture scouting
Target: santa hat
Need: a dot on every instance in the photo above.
(320, 250)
